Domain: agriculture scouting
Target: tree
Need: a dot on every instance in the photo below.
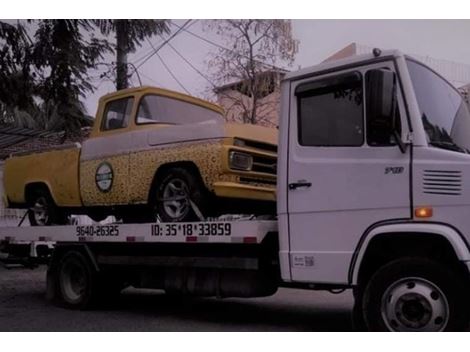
(250, 58)
(44, 77)
(64, 55)
(16, 74)
(129, 35)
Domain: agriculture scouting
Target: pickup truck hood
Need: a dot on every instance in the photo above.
(210, 130)
(252, 132)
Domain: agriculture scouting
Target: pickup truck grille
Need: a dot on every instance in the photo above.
(261, 145)
(264, 164)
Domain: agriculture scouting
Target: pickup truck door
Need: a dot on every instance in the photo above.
(343, 175)
(104, 161)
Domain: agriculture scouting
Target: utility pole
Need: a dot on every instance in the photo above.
(122, 46)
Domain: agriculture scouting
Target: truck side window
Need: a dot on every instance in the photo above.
(117, 114)
(330, 111)
(380, 131)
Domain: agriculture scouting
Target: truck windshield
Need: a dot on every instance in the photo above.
(445, 114)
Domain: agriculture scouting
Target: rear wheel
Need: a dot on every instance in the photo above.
(76, 280)
(416, 294)
(180, 196)
(43, 211)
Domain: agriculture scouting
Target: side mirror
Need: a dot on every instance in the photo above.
(382, 107)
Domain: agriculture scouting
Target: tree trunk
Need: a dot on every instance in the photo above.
(121, 54)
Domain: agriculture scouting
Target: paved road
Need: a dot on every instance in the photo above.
(24, 308)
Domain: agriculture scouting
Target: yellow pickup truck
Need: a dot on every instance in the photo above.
(152, 154)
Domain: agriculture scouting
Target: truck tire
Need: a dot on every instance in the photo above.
(416, 294)
(43, 211)
(76, 281)
(176, 189)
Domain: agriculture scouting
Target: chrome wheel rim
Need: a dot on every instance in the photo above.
(40, 211)
(414, 304)
(176, 199)
(73, 281)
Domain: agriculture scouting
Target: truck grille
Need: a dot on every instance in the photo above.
(443, 182)
(264, 164)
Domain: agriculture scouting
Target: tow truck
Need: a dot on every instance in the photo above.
(372, 195)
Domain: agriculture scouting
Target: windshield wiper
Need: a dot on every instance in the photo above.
(448, 146)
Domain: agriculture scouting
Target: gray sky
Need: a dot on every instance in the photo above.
(440, 39)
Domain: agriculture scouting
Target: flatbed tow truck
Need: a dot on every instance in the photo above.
(372, 195)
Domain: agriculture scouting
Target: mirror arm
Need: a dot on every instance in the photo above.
(397, 135)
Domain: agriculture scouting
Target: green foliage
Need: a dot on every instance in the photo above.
(42, 79)
(129, 34)
(136, 30)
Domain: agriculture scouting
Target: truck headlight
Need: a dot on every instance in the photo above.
(240, 161)
(239, 142)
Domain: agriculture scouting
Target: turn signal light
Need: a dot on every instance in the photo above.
(423, 212)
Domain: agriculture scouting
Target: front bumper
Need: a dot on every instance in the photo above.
(237, 190)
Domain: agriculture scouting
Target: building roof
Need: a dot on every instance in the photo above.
(16, 139)
(235, 84)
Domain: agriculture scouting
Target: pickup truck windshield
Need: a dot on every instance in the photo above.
(445, 114)
(159, 109)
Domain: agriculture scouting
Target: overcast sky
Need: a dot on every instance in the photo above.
(440, 39)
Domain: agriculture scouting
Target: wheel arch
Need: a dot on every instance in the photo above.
(30, 187)
(384, 242)
(186, 164)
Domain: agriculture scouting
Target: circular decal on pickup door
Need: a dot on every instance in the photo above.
(104, 177)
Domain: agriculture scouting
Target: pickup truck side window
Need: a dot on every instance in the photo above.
(160, 109)
(117, 114)
(330, 111)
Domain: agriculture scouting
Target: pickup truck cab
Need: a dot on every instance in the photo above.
(152, 153)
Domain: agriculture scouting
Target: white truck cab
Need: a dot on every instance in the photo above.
(373, 167)
(372, 195)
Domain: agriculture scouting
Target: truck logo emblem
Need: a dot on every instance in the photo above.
(104, 177)
(394, 170)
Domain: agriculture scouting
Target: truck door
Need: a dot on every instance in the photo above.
(104, 162)
(344, 173)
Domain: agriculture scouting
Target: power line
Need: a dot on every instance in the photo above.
(191, 65)
(172, 75)
(180, 29)
(224, 48)
(151, 50)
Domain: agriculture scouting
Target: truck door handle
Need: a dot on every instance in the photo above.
(299, 184)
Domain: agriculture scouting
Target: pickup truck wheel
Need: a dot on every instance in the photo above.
(44, 212)
(175, 192)
(416, 294)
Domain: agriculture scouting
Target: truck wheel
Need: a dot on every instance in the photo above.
(43, 211)
(357, 315)
(76, 281)
(416, 294)
(175, 192)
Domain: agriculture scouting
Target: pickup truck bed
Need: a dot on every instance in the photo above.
(48, 164)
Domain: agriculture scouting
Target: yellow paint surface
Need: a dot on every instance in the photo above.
(58, 169)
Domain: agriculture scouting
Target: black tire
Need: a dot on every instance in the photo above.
(416, 294)
(189, 187)
(43, 211)
(76, 281)
(357, 317)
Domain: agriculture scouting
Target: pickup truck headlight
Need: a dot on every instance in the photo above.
(240, 161)
(239, 142)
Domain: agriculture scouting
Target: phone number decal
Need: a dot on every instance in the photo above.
(195, 229)
(97, 231)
